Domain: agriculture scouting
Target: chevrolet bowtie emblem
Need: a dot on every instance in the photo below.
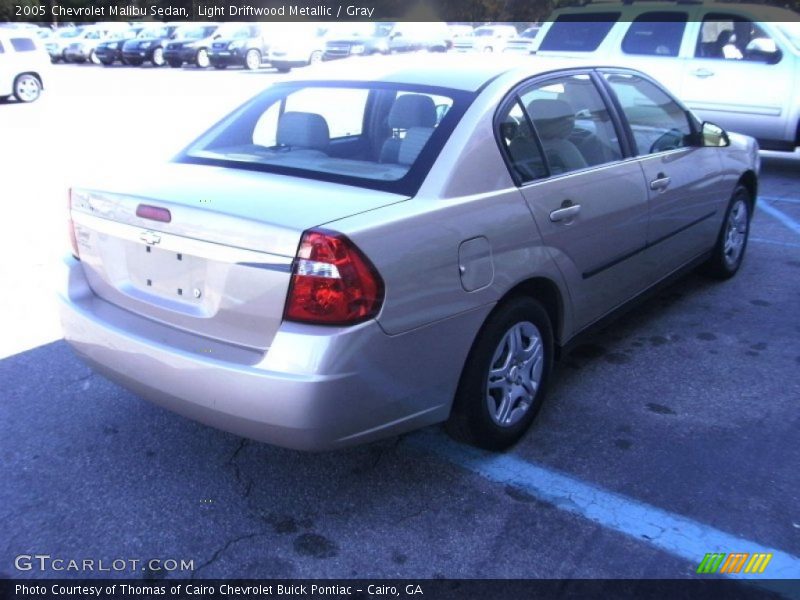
(151, 238)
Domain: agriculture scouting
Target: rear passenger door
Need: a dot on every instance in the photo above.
(683, 181)
(590, 205)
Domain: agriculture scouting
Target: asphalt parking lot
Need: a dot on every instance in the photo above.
(668, 435)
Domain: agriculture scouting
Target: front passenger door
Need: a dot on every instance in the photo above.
(588, 203)
(684, 182)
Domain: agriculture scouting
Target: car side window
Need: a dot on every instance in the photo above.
(572, 123)
(730, 37)
(522, 148)
(657, 122)
(657, 33)
(23, 44)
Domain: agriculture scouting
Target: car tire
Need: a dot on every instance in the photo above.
(201, 59)
(158, 57)
(175, 64)
(505, 377)
(93, 58)
(27, 87)
(252, 60)
(729, 249)
(315, 58)
(488, 49)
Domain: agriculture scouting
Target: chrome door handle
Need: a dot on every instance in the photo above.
(703, 73)
(660, 183)
(565, 213)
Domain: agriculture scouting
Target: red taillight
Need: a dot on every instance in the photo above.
(333, 283)
(71, 227)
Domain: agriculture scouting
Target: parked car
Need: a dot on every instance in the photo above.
(24, 65)
(523, 43)
(82, 48)
(357, 39)
(191, 45)
(752, 52)
(247, 46)
(110, 51)
(296, 45)
(148, 46)
(341, 260)
(420, 36)
(487, 38)
(62, 38)
(460, 30)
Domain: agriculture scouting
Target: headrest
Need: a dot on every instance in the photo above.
(553, 119)
(303, 130)
(412, 110)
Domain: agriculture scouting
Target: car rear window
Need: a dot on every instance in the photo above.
(375, 135)
(23, 44)
(579, 32)
(656, 34)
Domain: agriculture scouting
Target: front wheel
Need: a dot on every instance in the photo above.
(252, 60)
(505, 376)
(27, 88)
(158, 57)
(202, 60)
(728, 252)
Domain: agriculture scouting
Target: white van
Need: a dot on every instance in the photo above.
(23, 64)
(737, 65)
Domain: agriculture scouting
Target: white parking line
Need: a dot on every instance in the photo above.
(780, 215)
(667, 531)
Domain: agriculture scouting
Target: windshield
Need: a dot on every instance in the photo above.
(792, 32)
(195, 33)
(483, 32)
(70, 33)
(160, 32)
(381, 136)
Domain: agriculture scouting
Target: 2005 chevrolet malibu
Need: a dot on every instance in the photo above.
(343, 259)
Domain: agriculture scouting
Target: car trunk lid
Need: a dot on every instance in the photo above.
(221, 266)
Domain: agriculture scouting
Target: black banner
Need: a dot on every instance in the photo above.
(473, 11)
(427, 589)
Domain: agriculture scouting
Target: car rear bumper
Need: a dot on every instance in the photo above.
(316, 388)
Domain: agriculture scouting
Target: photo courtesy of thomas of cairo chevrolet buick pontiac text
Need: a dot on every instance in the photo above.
(345, 258)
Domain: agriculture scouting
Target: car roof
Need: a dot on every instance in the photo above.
(760, 12)
(439, 70)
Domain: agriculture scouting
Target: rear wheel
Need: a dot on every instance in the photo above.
(505, 376)
(201, 59)
(252, 60)
(93, 58)
(728, 252)
(158, 57)
(27, 87)
(316, 57)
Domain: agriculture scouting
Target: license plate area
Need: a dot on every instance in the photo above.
(168, 274)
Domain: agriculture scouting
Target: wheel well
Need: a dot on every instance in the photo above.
(545, 291)
(750, 181)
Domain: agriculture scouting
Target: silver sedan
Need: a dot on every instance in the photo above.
(354, 255)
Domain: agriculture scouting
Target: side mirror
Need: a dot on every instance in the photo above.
(713, 136)
(763, 49)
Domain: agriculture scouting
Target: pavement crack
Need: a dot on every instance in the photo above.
(241, 480)
(221, 551)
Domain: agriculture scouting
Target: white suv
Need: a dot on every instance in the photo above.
(734, 64)
(22, 64)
